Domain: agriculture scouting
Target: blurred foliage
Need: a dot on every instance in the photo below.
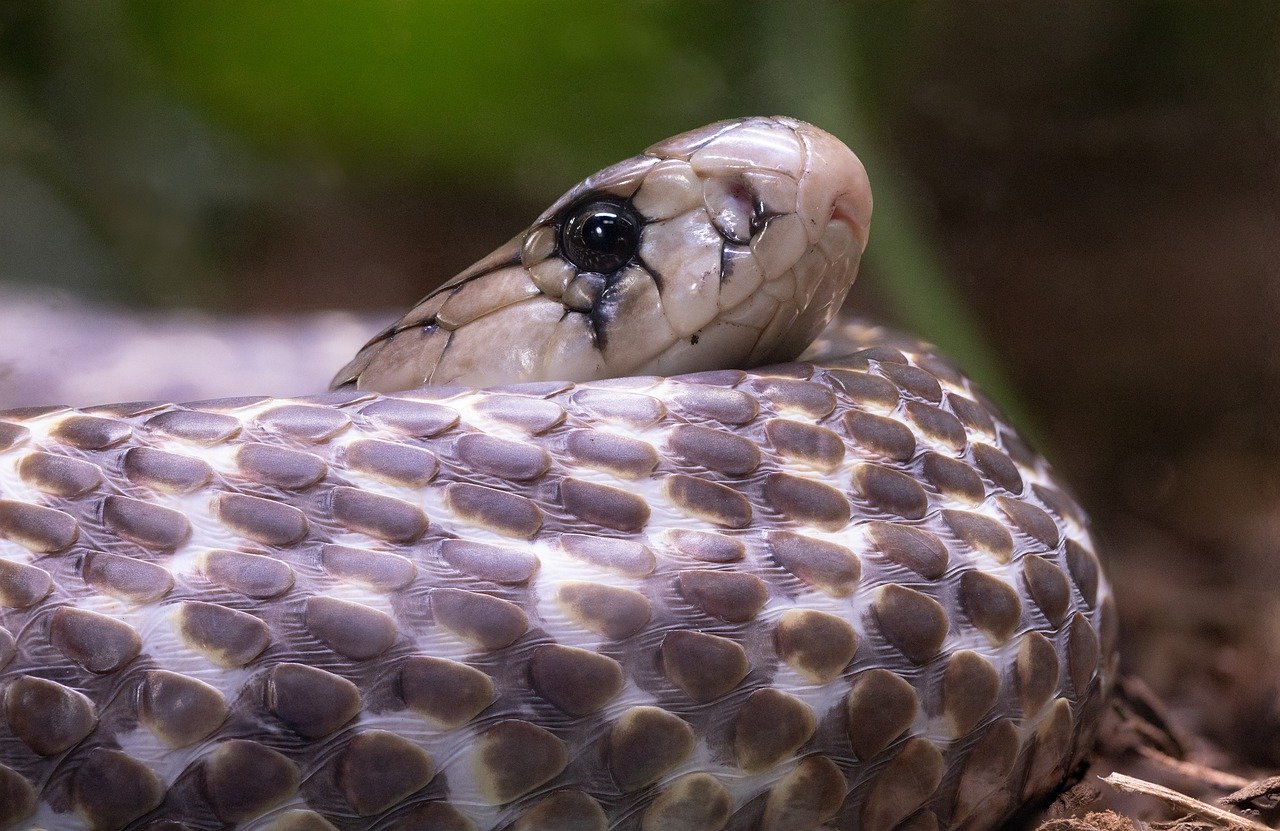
(508, 91)
(148, 146)
(109, 184)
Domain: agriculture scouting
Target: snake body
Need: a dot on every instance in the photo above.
(833, 593)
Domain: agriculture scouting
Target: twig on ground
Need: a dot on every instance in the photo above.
(1261, 795)
(1192, 770)
(1222, 817)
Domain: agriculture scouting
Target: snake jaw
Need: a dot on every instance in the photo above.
(748, 237)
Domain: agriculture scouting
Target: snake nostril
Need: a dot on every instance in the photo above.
(759, 217)
(732, 208)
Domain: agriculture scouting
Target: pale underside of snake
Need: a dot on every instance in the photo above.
(837, 593)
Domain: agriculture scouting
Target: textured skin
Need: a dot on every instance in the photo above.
(834, 594)
(978, 629)
(750, 236)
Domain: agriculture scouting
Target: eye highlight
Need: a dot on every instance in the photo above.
(600, 235)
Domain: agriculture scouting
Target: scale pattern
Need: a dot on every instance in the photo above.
(839, 596)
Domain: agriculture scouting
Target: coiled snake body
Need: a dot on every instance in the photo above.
(837, 593)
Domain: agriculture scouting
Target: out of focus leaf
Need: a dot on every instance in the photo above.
(506, 91)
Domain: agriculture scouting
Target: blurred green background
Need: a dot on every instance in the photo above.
(1078, 200)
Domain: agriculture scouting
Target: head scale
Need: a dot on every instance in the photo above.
(728, 246)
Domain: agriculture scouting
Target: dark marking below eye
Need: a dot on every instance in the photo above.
(601, 315)
(730, 253)
(693, 340)
(605, 310)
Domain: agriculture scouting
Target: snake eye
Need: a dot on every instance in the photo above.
(600, 236)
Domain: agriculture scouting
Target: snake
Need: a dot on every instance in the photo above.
(586, 540)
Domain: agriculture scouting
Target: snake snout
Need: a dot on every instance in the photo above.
(730, 245)
(833, 204)
(834, 185)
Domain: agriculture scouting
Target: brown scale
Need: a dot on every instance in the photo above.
(624, 457)
(759, 463)
(805, 502)
(182, 711)
(626, 557)
(816, 644)
(604, 506)
(644, 744)
(64, 476)
(910, 547)
(769, 728)
(706, 546)
(817, 447)
(829, 567)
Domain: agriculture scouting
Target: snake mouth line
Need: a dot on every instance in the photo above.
(843, 212)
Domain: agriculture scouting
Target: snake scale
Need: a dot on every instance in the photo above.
(585, 574)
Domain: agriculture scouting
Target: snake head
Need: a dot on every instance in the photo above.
(732, 245)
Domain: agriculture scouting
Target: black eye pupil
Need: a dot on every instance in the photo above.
(603, 233)
(600, 236)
